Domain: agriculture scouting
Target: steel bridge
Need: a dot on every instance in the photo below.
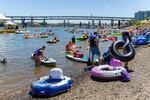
(70, 18)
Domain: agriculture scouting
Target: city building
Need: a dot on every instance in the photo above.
(142, 15)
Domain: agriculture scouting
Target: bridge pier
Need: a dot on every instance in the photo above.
(31, 21)
(119, 24)
(99, 23)
(112, 23)
(80, 24)
(88, 26)
(23, 22)
(44, 22)
(12, 19)
(93, 24)
(64, 23)
(127, 24)
(67, 22)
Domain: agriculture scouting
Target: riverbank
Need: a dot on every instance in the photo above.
(137, 89)
(87, 89)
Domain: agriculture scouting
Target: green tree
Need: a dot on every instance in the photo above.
(1, 24)
(148, 18)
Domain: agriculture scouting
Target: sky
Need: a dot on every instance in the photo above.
(111, 8)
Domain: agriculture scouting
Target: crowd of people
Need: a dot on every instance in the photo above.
(94, 46)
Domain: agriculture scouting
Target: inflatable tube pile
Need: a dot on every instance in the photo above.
(128, 53)
(52, 84)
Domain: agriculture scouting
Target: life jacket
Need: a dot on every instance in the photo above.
(38, 52)
(78, 55)
(92, 41)
(71, 44)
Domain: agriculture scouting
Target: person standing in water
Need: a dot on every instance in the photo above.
(94, 47)
(73, 39)
(38, 55)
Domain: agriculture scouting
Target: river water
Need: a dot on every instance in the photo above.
(20, 69)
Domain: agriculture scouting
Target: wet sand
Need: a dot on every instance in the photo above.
(87, 89)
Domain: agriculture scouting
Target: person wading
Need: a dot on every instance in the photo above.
(38, 55)
(94, 47)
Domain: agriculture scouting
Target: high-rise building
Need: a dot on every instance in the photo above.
(142, 15)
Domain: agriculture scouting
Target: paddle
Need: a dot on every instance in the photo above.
(89, 62)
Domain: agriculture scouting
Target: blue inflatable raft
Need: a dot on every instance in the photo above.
(141, 40)
(48, 86)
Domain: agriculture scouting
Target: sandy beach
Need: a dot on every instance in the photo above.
(87, 89)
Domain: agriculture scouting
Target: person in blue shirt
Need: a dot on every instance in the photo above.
(38, 55)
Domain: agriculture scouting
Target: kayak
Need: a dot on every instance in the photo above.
(103, 40)
(84, 59)
(44, 36)
(51, 41)
(28, 37)
(22, 32)
(8, 31)
(48, 61)
(81, 39)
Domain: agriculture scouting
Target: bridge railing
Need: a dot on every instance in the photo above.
(69, 18)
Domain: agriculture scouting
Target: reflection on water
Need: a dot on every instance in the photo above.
(20, 69)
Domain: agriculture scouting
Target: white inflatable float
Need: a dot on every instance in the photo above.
(48, 61)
